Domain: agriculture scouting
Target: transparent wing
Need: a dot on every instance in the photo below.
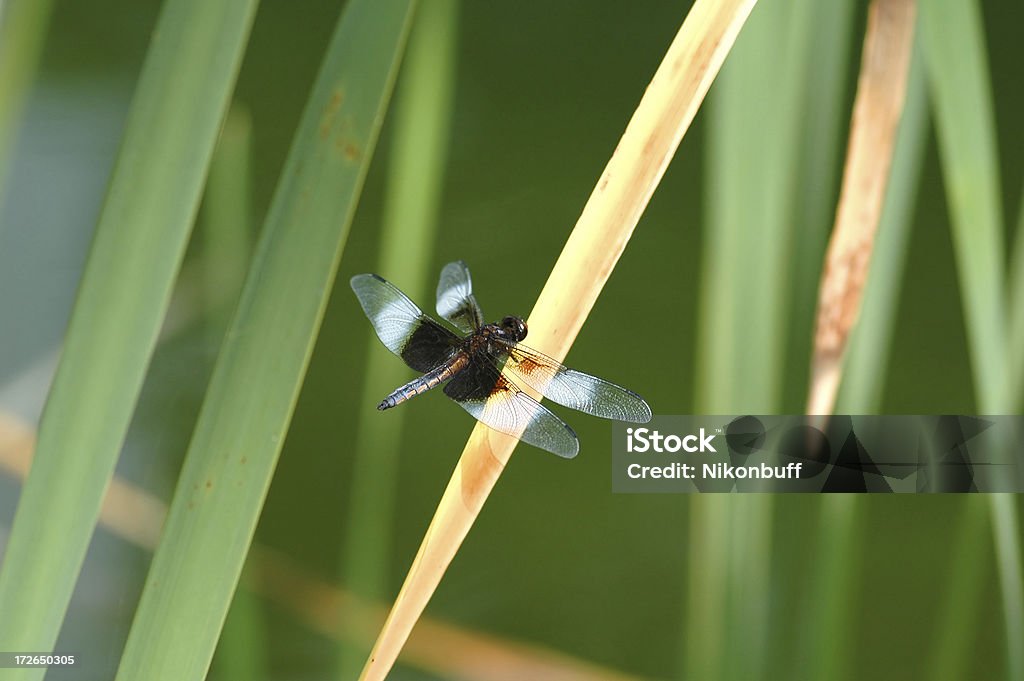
(571, 388)
(455, 301)
(401, 326)
(497, 402)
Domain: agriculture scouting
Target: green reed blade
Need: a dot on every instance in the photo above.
(180, 101)
(954, 49)
(705, 634)
(1006, 534)
(256, 380)
(745, 313)
(419, 151)
(821, 146)
(23, 25)
(1015, 303)
(823, 647)
(953, 38)
(751, 189)
(961, 603)
(226, 233)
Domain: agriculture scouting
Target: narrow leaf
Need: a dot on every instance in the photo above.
(419, 151)
(753, 158)
(961, 96)
(1016, 310)
(750, 212)
(959, 616)
(881, 90)
(23, 25)
(601, 233)
(226, 233)
(181, 98)
(1007, 532)
(240, 429)
(961, 93)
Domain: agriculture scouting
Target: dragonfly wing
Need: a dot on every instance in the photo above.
(571, 388)
(497, 402)
(401, 326)
(455, 301)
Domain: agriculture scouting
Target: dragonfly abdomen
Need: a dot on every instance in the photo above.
(422, 384)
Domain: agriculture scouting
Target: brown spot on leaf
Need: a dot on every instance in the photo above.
(331, 113)
(348, 148)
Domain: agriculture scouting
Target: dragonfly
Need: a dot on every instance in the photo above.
(482, 365)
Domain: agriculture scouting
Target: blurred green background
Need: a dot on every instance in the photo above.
(542, 94)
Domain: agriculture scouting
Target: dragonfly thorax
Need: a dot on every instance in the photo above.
(495, 338)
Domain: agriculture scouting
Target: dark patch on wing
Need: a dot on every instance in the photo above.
(500, 404)
(401, 326)
(429, 346)
(475, 382)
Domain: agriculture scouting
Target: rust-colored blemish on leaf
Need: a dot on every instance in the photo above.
(244, 460)
(209, 484)
(331, 113)
(349, 149)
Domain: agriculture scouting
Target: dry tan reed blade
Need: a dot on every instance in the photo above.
(881, 89)
(598, 239)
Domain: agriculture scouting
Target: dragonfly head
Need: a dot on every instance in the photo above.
(513, 327)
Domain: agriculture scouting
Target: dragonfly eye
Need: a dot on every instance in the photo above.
(514, 327)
